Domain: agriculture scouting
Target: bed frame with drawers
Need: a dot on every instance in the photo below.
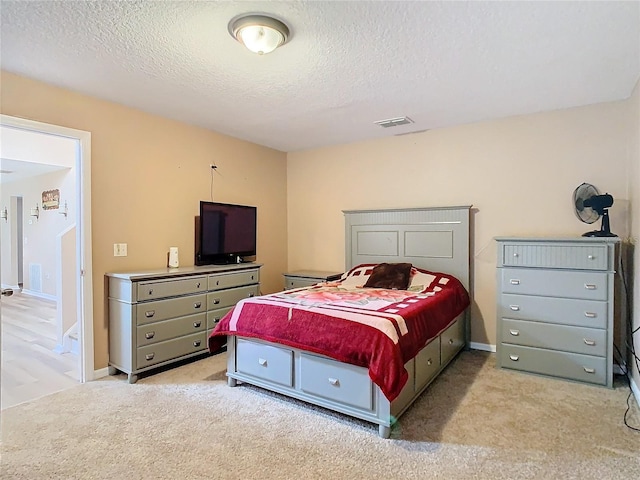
(437, 239)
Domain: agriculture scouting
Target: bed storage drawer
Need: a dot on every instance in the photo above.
(555, 283)
(228, 298)
(170, 288)
(170, 349)
(347, 384)
(589, 341)
(427, 363)
(170, 308)
(451, 341)
(574, 366)
(167, 329)
(566, 311)
(229, 280)
(265, 361)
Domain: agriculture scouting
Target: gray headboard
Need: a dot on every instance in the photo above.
(436, 239)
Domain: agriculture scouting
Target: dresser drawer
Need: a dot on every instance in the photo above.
(555, 283)
(159, 331)
(265, 361)
(567, 311)
(170, 308)
(347, 384)
(231, 296)
(573, 366)
(582, 257)
(170, 288)
(427, 363)
(214, 316)
(452, 340)
(170, 349)
(588, 341)
(298, 282)
(228, 280)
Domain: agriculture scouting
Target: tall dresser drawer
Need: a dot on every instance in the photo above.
(167, 329)
(229, 280)
(170, 308)
(555, 283)
(227, 298)
(265, 361)
(177, 347)
(573, 366)
(589, 341)
(567, 311)
(171, 288)
(581, 257)
(343, 383)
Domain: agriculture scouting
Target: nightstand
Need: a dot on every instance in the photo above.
(306, 278)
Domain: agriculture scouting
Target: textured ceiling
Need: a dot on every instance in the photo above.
(347, 64)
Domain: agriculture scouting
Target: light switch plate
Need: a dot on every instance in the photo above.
(119, 249)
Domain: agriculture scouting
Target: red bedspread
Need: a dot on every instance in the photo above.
(374, 328)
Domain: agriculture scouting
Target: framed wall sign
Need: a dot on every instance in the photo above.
(51, 199)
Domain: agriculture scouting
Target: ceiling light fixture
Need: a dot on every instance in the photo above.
(259, 33)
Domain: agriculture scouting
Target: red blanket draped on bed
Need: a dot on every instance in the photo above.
(374, 328)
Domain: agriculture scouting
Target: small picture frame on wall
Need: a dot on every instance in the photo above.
(51, 199)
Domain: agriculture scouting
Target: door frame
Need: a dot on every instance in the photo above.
(84, 305)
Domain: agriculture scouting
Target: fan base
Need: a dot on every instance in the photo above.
(599, 233)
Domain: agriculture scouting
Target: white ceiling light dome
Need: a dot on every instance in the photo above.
(259, 33)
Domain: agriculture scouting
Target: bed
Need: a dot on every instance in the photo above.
(368, 344)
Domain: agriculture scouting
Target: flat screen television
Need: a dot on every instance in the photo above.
(225, 233)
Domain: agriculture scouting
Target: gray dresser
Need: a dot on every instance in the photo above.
(555, 311)
(163, 316)
(306, 278)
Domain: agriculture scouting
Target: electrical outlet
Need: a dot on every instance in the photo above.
(119, 249)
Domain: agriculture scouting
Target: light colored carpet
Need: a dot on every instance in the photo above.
(185, 423)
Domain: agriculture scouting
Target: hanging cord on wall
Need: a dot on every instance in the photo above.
(214, 169)
(630, 344)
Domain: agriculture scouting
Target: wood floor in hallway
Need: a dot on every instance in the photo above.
(30, 367)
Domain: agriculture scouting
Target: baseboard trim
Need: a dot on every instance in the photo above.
(46, 296)
(103, 372)
(485, 347)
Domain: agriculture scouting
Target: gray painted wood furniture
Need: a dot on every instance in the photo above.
(432, 238)
(555, 312)
(163, 316)
(306, 278)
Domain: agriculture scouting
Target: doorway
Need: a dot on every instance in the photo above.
(82, 294)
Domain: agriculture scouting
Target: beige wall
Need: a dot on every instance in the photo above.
(148, 175)
(634, 188)
(519, 174)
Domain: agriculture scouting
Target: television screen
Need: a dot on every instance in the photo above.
(227, 232)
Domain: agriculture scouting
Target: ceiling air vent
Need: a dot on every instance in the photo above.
(394, 122)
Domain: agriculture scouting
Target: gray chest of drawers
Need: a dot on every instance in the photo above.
(555, 307)
(159, 317)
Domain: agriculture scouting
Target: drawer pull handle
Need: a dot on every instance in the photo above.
(590, 257)
(514, 281)
(451, 341)
(515, 358)
(590, 286)
(197, 324)
(149, 356)
(515, 333)
(589, 370)
(334, 381)
(251, 294)
(151, 291)
(590, 314)
(262, 362)
(216, 319)
(197, 305)
(217, 282)
(198, 285)
(197, 343)
(149, 335)
(591, 343)
(216, 301)
(516, 255)
(149, 313)
(515, 308)
(429, 362)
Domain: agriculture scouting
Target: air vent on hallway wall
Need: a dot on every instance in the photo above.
(394, 122)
